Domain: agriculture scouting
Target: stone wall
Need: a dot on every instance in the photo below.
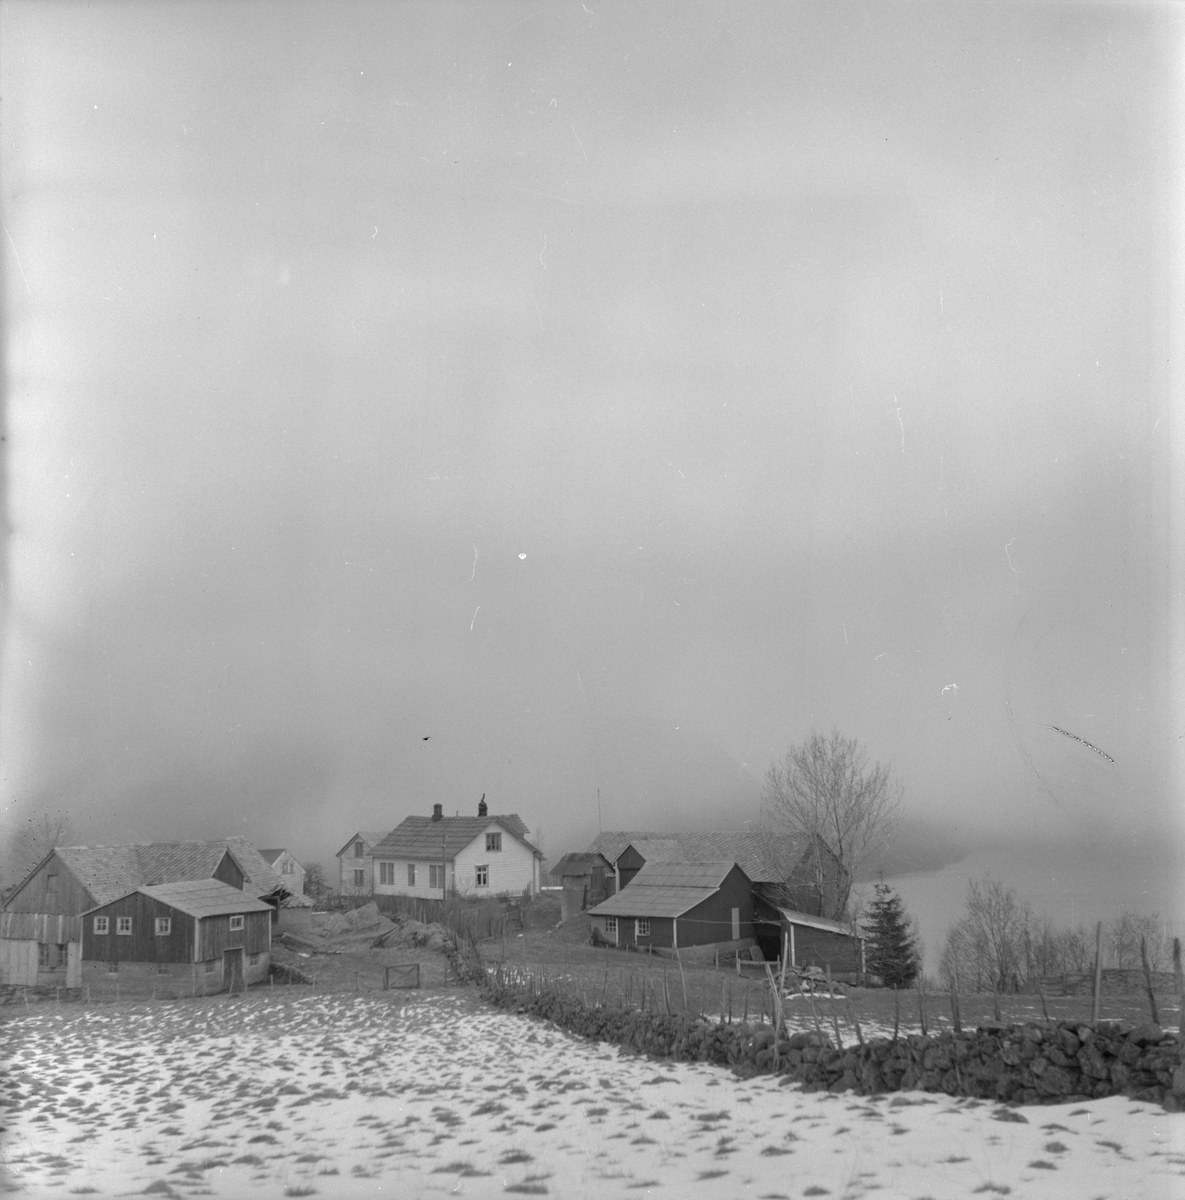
(1116, 982)
(1051, 1063)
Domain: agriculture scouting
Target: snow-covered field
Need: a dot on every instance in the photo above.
(337, 1095)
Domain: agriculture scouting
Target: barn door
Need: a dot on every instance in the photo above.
(736, 924)
(232, 969)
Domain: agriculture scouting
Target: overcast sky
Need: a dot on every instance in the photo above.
(608, 394)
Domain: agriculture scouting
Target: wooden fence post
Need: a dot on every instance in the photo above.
(1096, 999)
(1148, 980)
(1179, 978)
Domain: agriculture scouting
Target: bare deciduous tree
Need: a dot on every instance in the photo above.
(1124, 936)
(38, 836)
(825, 790)
(314, 880)
(993, 945)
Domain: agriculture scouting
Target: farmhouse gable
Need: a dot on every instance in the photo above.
(356, 863)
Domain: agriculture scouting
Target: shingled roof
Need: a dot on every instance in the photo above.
(613, 842)
(755, 853)
(204, 898)
(579, 864)
(666, 889)
(425, 838)
(108, 872)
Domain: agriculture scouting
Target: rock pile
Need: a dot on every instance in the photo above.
(1023, 1064)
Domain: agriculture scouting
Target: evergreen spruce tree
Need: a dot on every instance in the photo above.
(891, 952)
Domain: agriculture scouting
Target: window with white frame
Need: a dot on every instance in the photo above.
(387, 874)
(162, 968)
(411, 874)
(123, 926)
(209, 965)
(102, 925)
(611, 926)
(254, 960)
(493, 842)
(436, 875)
(642, 927)
(236, 922)
(164, 926)
(113, 968)
(289, 868)
(483, 876)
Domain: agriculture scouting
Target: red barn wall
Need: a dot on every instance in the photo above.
(143, 944)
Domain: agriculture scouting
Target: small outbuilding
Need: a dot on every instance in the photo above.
(291, 873)
(678, 907)
(200, 933)
(809, 941)
(587, 879)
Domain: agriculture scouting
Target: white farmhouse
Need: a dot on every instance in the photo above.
(285, 864)
(472, 856)
(355, 861)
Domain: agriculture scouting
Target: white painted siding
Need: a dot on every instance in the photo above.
(293, 880)
(513, 869)
(18, 961)
(400, 886)
(350, 864)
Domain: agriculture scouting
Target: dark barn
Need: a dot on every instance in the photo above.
(810, 941)
(200, 934)
(678, 906)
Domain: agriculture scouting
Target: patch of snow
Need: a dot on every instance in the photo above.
(353, 1096)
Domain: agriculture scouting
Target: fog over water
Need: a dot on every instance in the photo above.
(410, 402)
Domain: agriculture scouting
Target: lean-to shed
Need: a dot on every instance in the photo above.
(810, 941)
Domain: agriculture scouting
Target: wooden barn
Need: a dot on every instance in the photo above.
(677, 907)
(69, 880)
(586, 879)
(787, 871)
(199, 933)
(810, 941)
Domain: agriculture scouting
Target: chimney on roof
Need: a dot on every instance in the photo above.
(481, 806)
(437, 812)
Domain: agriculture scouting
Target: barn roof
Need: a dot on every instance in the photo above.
(668, 849)
(579, 864)
(666, 889)
(108, 872)
(613, 842)
(760, 856)
(652, 902)
(204, 898)
(800, 918)
(422, 837)
(682, 874)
